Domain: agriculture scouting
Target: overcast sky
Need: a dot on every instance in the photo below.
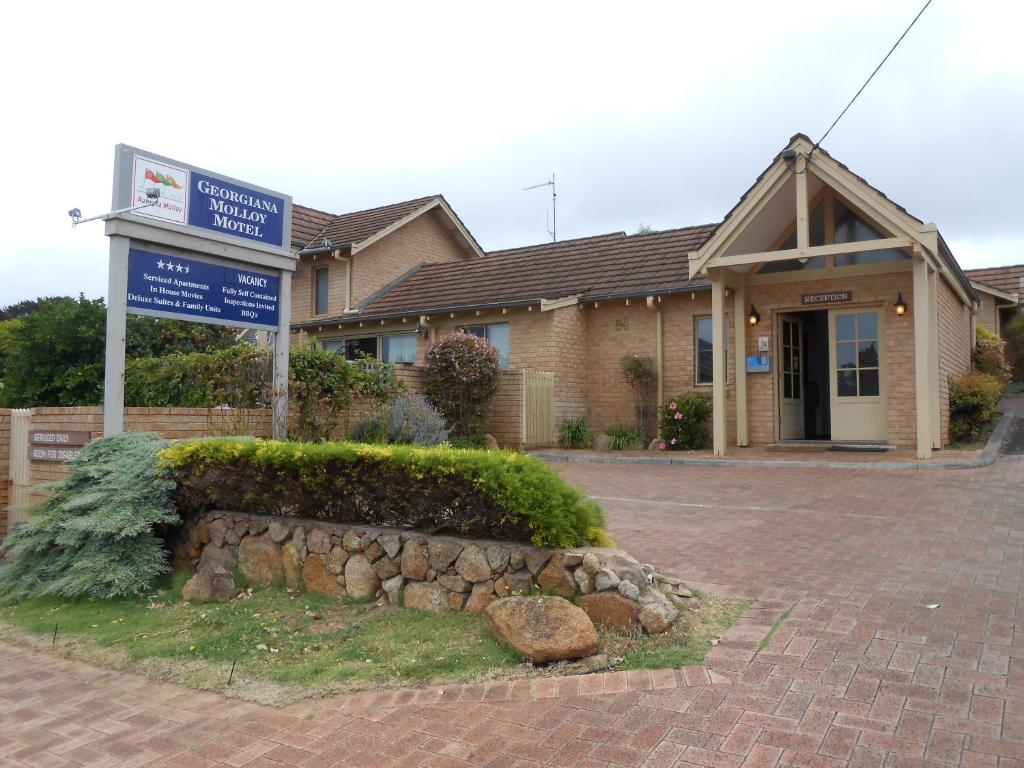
(649, 114)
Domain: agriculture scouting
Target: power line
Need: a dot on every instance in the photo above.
(861, 89)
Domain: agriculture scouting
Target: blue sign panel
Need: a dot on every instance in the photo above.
(759, 363)
(186, 289)
(230, 209)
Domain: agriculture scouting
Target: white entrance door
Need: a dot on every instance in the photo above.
(791, 388)
(857, 375)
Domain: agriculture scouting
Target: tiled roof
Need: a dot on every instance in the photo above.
(355, 227)
(1007, 279)
(594, 267)
(307, 223)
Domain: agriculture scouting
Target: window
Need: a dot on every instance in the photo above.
(498, 334)
(704, 349)
(851, 228)
(399, 348)
(320, 291)
(356, 348)
(857, 354)
(333, 345)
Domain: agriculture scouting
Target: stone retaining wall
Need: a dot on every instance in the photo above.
(420, 571)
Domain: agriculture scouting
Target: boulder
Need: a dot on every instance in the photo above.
(385, 567)
(497, 558)
(278, 532)
(536, 559)
(361, 581)
(516, 559)
(629, 590)
(212, 582)
(354, 540)
(490, 444)
(422, 596)
(318, 541)
(218, 529)
(393, 588)
(443, 552)
(226, 556)
(472, 565)
(542, 629)
(655, 619)
(374, 552)
(584, 581)
(591, 563)
(514, 583)
(299, 539)
(456, 600)
(453, 583)
(231, 536)
(291, 564)
(257, 526)
(556, 579)
(610, 610)
(202, 532)
(319, 578)
(259, 559)
(481, 596)
(656, 444)
(391, 543)
(337, 559)
(601, 442)
(606, 579)
(415, 562)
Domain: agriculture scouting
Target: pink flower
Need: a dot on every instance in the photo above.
(678, 416)
(672, 406)
(661, 446)
(674, 441)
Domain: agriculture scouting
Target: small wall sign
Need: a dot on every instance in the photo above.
(56, 445)
(759, 363)
(762, 343)
(835, 297)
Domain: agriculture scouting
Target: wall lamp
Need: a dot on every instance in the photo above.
(901, 305)
(754, 317)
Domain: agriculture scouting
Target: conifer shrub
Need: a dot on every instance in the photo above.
(481, 494)
(461, 378)
(973, 404)
(683, 422)
(100, 532)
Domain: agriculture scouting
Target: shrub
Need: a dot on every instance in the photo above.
(406, 420)
(1013, 331)
(683, 422)
(237, 377)
(575, 433)
(372, 429)
(639, 373)
(973, 404)
(990, 355)
(624, 438)
(489, 494)
(99, 534)
(461, 379)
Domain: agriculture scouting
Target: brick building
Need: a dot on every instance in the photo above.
(817, 310)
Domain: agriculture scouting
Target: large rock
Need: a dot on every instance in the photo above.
(355, 540)
(472, 565)
(415, 562)
(542, 629)
(226, 556)
(393, 588)
(319, 578)
(656, 618)
(536, 559)
(213, 582)
(218, 528)
(318, 541)
(278, 531)
(385, 567)
(453, 582)
(584, 581)
(610, 610)
(514, 583)
(481, 596)
(259, 558)
(497, 558)
(421, 596)
(336, 562)
(443, 553)
(291, 563)
(556, 579)
(391, 543)
(361, 580)
(606, 579)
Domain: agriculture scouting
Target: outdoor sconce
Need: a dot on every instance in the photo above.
(901, 305)
(753, 318)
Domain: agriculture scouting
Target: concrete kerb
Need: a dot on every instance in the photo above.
(988, 457)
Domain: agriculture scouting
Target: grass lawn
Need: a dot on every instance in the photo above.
(287, 646)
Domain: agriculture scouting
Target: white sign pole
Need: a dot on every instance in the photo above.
(282, 340)
(117, 331)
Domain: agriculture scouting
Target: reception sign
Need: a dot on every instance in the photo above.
(188, 289)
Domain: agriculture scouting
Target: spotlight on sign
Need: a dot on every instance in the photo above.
(901, 305)
(75, 214)
(153, 193)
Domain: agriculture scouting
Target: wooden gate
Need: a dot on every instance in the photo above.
(21, 420)
(538, 409)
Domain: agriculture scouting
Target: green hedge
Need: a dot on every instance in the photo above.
(482, 494)
(973, 404)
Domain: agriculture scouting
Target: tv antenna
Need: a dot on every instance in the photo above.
(553, 229)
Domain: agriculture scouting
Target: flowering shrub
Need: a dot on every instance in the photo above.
(990, 355)
(683, 422)
(461, 379)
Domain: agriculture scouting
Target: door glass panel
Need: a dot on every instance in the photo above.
(846, 356)
(796, 387)
(846, 383)
(867, 325)
(846, 328)
(867, 354)
(869, 383)
(787, 386)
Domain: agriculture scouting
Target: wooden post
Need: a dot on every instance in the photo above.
(718, 366)
(740, 356)
(803, 223)
(922, 385)
(933, 358)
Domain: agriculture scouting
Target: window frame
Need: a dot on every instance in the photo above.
(381, 344)
(696, 350)
(506, 364)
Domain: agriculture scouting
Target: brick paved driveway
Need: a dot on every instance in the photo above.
(901, 649)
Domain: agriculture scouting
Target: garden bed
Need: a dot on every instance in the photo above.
(288, 646)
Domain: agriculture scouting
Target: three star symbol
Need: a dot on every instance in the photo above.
(172, 267)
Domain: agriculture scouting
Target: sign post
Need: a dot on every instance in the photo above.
(190, 244)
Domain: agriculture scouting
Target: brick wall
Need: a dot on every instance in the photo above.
(955, 346)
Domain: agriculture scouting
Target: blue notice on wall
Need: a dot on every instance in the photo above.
(186, 289)
(759, 363)
(230, 209)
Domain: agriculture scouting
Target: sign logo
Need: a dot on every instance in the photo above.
(172, 184)
(187, 289)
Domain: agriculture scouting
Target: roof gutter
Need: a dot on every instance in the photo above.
(325, 249)
(411, 313)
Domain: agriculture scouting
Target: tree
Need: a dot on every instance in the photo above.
(55, 355)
